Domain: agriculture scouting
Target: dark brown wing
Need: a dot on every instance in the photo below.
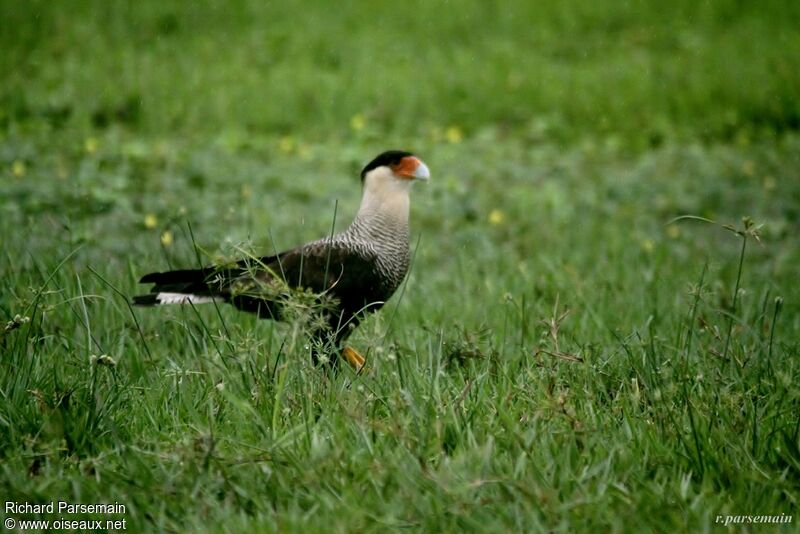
(349, 282)
(351, 279)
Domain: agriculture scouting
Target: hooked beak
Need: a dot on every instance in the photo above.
(412, 168)
(422, 172)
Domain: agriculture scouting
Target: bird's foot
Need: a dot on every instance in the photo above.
(354, 358)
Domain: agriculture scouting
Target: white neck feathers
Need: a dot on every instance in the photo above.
(385, 201)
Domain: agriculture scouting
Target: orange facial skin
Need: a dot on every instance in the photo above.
(406, 168)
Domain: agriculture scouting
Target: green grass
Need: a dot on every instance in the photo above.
(565, 356)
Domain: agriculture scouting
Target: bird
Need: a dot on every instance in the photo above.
(347, 275)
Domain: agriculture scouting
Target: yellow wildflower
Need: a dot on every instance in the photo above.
(150, 221)
(454, 135)
(496, 217)
(90, 145)
(647, 245)
(18, 168)
(286, 144)
(166, 238)
(358, 121)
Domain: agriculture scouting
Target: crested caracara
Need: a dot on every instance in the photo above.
(348, 274)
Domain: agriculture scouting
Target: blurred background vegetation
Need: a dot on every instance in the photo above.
(634, 72)
(564, 138)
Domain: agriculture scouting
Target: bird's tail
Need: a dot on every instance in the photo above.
(178, 287)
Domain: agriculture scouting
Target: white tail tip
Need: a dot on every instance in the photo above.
(183, 298)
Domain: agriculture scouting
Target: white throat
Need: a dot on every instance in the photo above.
(385, 200)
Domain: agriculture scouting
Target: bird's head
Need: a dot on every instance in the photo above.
(394, 169)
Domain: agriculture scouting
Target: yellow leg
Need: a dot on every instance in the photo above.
(354, 358)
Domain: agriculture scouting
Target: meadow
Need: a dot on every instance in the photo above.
(600, 329)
